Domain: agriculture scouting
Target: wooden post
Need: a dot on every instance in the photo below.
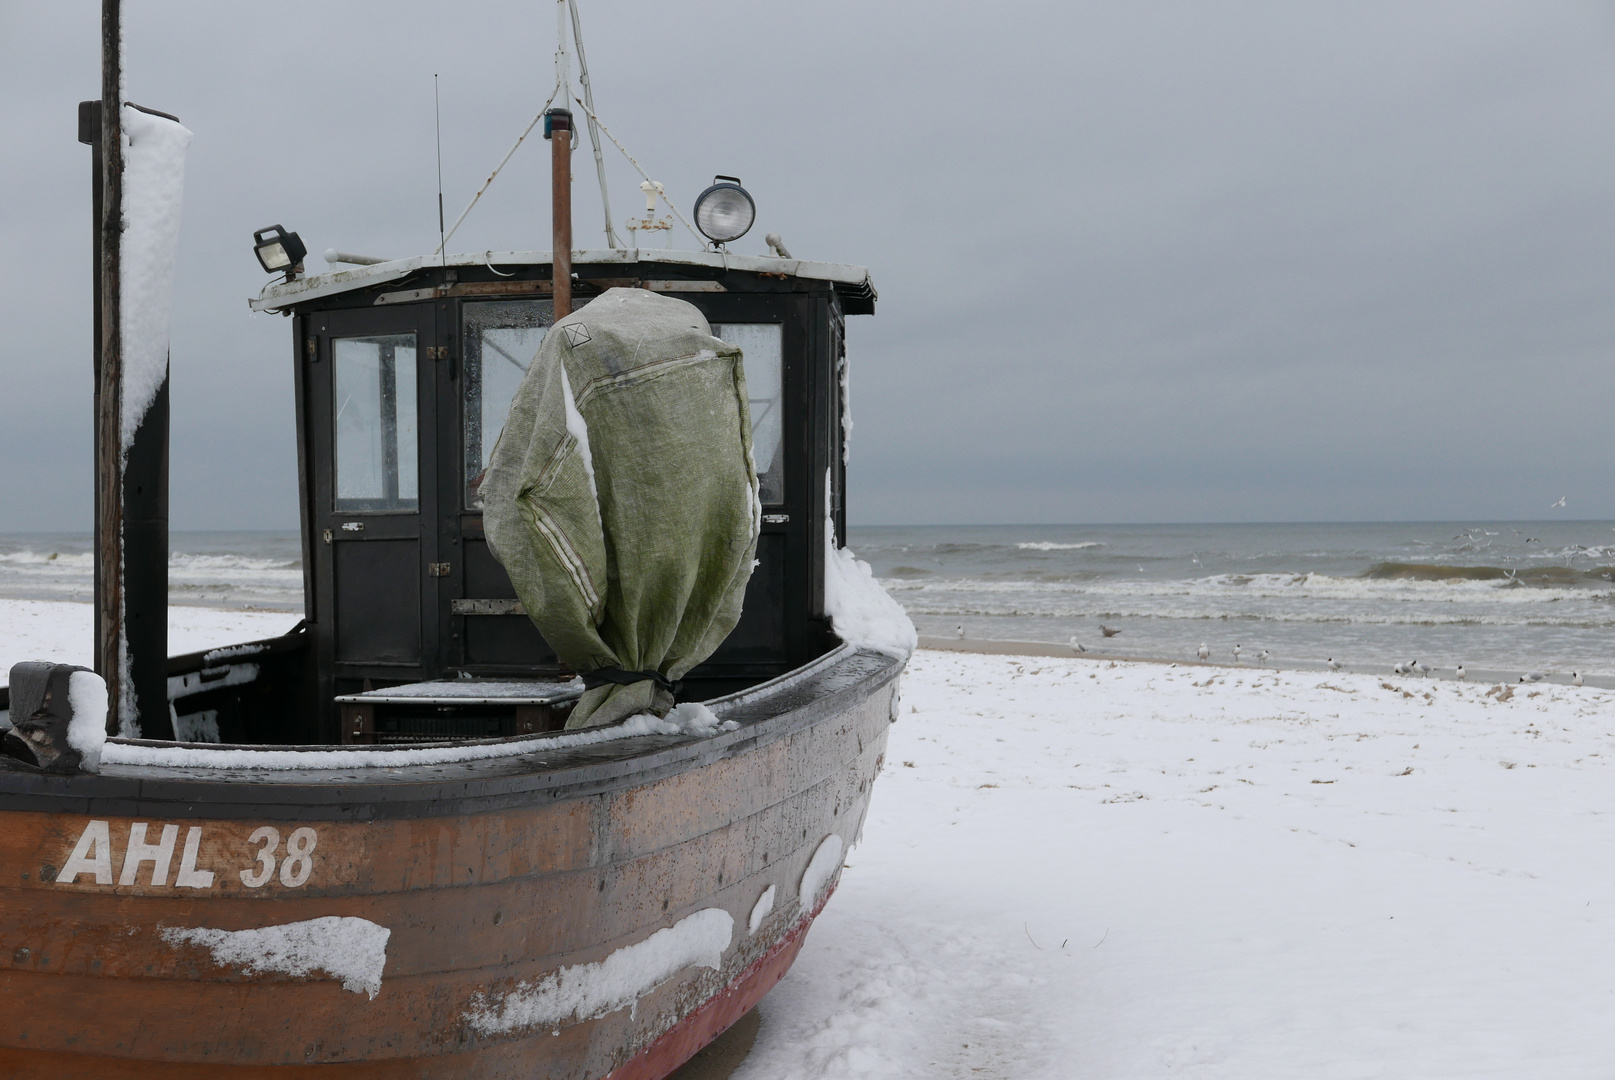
(109, 374)
(131, 488)
(558, 129)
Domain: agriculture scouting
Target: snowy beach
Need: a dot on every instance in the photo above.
(1078, 868)
(1088, 868)
(64, 631)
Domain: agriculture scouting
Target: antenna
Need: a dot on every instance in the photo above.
(443, 240)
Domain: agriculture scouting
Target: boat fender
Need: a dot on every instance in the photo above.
(58, 716)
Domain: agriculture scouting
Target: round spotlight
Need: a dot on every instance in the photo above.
(724, 211)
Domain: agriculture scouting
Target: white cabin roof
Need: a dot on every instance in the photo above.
(281, 294)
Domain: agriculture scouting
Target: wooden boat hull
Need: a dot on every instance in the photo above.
(581, 913)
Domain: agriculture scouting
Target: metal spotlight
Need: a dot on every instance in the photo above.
(279, 251)
(724, 212)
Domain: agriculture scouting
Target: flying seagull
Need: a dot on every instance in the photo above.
(1558, 505)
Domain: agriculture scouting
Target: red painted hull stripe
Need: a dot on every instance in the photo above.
(681, 1042)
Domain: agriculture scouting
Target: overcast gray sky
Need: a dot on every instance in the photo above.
(1137, 262)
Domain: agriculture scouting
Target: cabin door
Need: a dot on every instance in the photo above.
(373, 483)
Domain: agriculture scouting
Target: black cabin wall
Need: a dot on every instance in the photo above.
(783, 625)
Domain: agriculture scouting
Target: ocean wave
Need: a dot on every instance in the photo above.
(50, 560)
(1234, 589)
(177, 560)
(1533, 576)
(1047, 545)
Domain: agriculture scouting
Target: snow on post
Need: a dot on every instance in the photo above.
(153, 187)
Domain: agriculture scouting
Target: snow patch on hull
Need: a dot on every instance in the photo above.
(588, 991)
(350, 949)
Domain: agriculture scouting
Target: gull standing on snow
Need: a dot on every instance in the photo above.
(1462, 674)
(1334, 665)
(1400, 669)
(1077, 646)
(1263, 656)
(1236, 652)
(1533, 676)
(1576, 679)
(1202, 652)
(1422, 668)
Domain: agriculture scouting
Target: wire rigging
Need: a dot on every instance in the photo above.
(596, 127)
(640, 169)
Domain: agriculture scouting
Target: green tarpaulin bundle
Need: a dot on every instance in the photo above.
(622, 499)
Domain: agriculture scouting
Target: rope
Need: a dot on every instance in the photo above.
(619, 677)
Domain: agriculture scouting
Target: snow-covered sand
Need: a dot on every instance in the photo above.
(1084, 869)
(62, 631)
(1077, 868)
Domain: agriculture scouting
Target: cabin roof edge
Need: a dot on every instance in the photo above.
(279, 295)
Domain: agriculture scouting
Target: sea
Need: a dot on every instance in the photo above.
(1503, 596)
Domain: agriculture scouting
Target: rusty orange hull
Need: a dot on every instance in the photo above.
(587, 912)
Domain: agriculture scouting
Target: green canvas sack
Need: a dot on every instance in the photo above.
(621, 497)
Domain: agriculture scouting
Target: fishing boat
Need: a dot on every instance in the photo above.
(371, 846)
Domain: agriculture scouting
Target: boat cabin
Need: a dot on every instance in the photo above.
(404, 373)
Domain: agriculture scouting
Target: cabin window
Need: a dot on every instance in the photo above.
(762, 345)
(500, 339)
(377, 464)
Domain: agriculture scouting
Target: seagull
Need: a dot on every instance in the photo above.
(1533, 676)
(1263, 656)
(1576, 679)
(1400, 669)
(1462, 674)
(1203, 652)
(1558, 505)
(1109, 631)
(1334, 665)
(959, 631)
(1422, 669)
(1077, 646)
(1236, 652)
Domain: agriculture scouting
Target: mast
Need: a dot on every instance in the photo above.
(558, 130)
